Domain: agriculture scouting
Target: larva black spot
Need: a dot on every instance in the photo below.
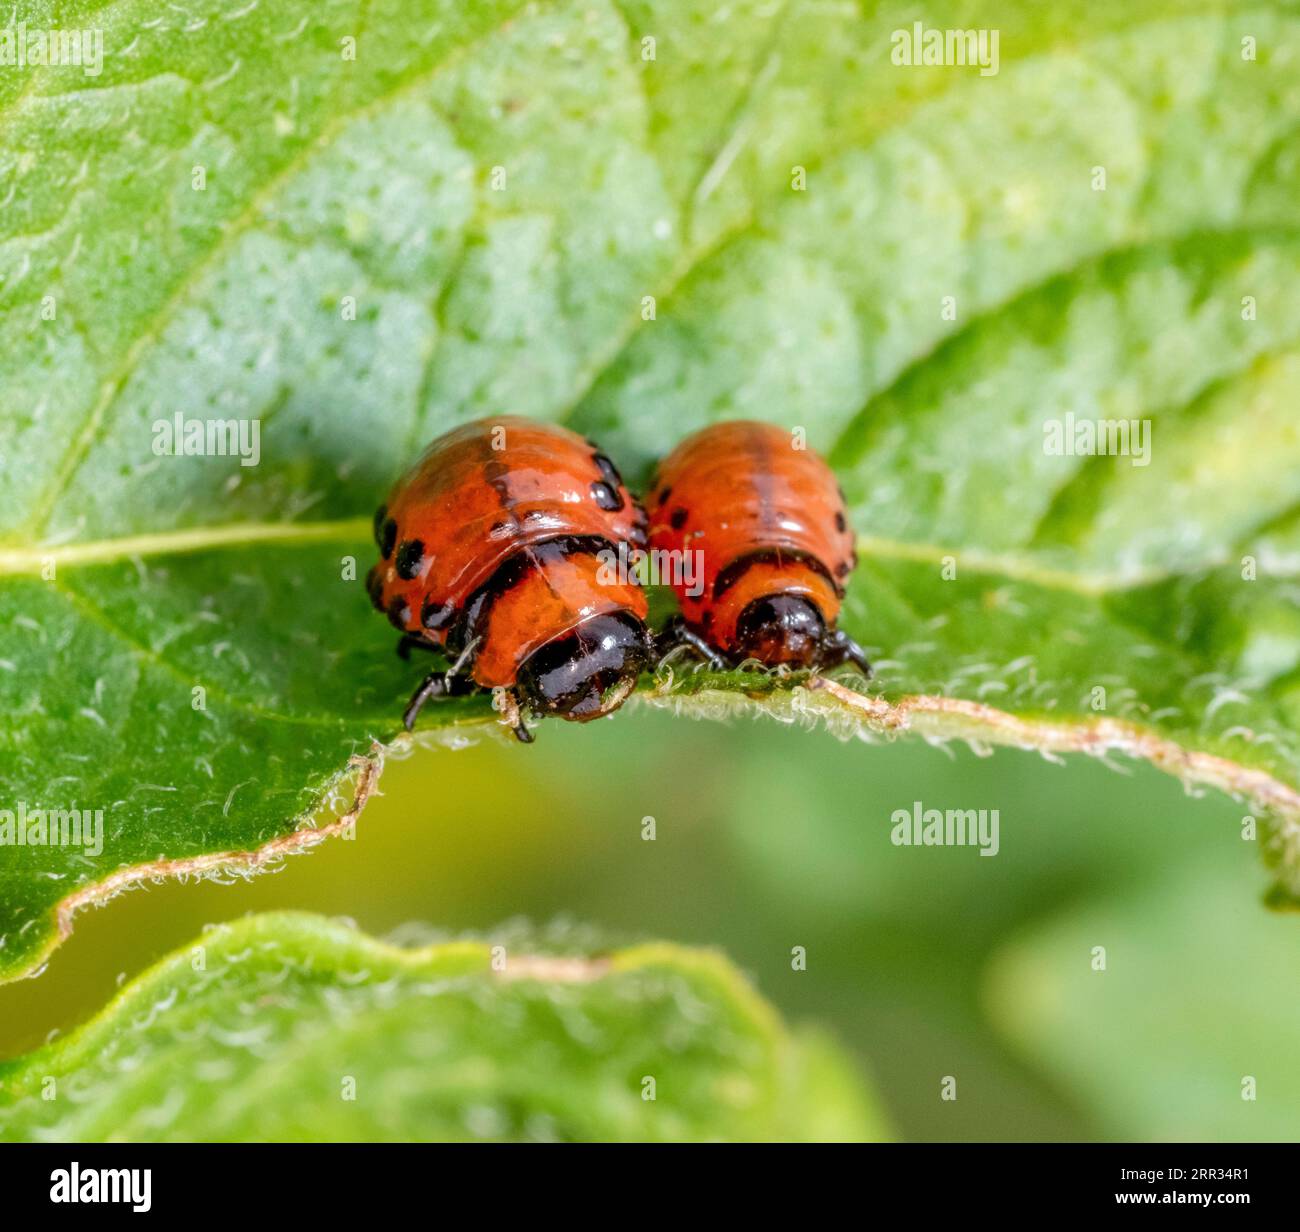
(410, 557)
(640, 527)
(387, 537)
(435, 615)
(399, 614)
(677, 519)
(606, 497)
(608, 471)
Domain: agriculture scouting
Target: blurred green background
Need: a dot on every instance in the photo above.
(925, 962)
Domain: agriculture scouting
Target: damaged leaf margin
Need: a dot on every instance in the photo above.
(815, 701)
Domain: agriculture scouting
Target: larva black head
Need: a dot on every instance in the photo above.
(781, 629)
(588, 672)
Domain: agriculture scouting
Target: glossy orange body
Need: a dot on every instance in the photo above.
(556, 596)
(767, 518)
(491, 538)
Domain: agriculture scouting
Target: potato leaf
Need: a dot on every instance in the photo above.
(356, 223)
(290, 1027)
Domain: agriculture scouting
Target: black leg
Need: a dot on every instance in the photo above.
(676, 633)
(408, 642)
(433, 685)
(436, 684)
(840, 648)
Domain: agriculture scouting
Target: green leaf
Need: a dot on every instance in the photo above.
(496, 188)
(1151, 1053)
(291, 1027)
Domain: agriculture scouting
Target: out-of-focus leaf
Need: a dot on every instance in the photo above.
(293, 1027)
(1190, 1026)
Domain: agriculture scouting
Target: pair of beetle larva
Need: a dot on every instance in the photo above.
(493, 547)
